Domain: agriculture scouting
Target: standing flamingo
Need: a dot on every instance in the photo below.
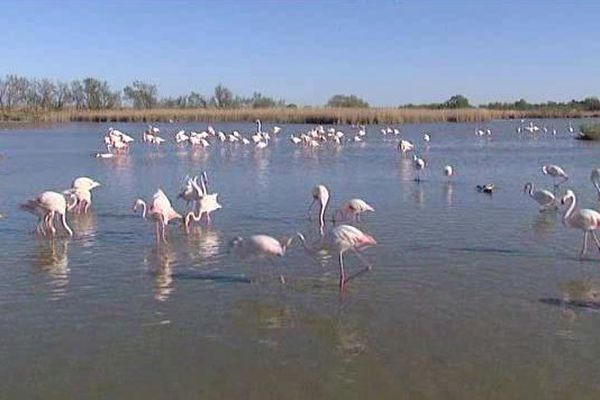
(260, 246)
(595, 178)
(206, 202)
(585, 219)
(82, 189)
(46, 206)
(341, 239)
(160, 210)
(419, 165)
(555, 172)
(544, 198)
(405, 146)
(448, 171)
(354, 207)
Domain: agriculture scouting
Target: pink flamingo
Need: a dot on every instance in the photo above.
(585, 219)
(341, 239)
(82, 189)
(160, 210)
(46, 206)
(260, 246)
(205, 203)
(354, 207)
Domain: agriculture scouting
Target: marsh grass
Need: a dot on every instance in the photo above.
(309, 115)
(589, 132)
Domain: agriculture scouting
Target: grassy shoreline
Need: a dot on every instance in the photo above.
(311, 115)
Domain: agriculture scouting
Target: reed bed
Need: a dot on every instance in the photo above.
(310, 115)
(589, 132)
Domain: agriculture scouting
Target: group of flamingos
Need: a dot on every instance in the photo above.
(585, 219)
(50, 206)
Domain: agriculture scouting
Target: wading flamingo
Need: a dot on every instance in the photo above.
(585, 219)
(555, 172)
(544, 198)
(160, 210)
(341, 239)
(353, 208)
(448, 171)
(206, 203)
(419, 165)
(46, 206)
(405, 146)
(82, 189)
(260, 246)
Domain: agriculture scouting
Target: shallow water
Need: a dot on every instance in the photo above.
(471, 296)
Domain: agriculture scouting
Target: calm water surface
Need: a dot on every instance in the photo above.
(463, 301)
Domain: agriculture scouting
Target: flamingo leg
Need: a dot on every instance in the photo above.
(596, 239)
(157, 231)
(342, 272)
(584, 248)
(63, 219)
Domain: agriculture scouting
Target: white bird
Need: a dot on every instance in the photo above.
(405, 146)
(260, 246)
(295, 139)
(419, 165)
(448, 171)
(206, 203)
(46, 206)
(555, 172)
(181, 137)
(353, 208)
(544, 198)
(160, 210)
(585, 219)
(341, 239)
(426, 138)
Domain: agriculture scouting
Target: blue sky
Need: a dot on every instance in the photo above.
(388, 52)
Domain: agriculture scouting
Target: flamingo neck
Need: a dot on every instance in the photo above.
(142, 204)
(570, 209)
(322, 213)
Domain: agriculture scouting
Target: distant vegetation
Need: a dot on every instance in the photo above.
(343, 101)
(456, 101)
(590, 132)
(91, 99)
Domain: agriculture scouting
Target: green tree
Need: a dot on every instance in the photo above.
(141, 94)
(223, 97)
(457, 101)
(344, 101)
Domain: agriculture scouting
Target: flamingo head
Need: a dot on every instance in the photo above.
(320, 193)
(545, 169)
(569, 196)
